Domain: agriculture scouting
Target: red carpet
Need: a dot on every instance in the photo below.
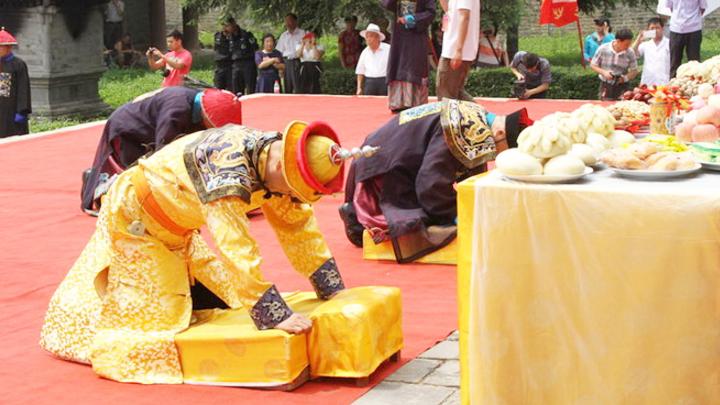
(43, 231)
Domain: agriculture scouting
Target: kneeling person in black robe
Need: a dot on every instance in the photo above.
(405, 192)
(142, 127)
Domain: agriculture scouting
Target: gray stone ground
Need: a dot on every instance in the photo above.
(431, 379)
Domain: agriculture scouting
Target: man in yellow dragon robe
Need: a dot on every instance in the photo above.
(129, 292)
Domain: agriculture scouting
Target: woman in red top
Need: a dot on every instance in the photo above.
(350, 43)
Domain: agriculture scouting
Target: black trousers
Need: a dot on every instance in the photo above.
(292, 76)
(608, 92)
(223, 75)
(375, 86)
(689, 42)
(309, 83)
(244, 76)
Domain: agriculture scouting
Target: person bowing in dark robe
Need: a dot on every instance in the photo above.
(407, 73)
(14, 89)
(147, 124)
(405, 192)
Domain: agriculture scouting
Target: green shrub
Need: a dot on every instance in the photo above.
(568, 83)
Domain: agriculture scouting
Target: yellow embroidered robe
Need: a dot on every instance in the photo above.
(126, 296)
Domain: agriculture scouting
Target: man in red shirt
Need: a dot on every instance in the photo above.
(177, 62)
(350, 43)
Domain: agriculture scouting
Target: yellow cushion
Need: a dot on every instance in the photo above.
(225, 348)
(384, 251)
(355, 332)
(352, 334)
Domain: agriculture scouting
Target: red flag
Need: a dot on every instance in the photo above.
(558, 12)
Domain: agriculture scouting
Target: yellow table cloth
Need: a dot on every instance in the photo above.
(606, 291)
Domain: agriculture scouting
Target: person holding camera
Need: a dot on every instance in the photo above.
(533, 75)
(176, 63)
(656, 52)
(310, 54)
(616, 65)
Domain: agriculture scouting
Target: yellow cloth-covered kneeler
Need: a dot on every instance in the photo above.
(384, 251)
(352, 334)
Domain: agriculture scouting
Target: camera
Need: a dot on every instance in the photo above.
(165, 72)
(615, 79)
(519, 88)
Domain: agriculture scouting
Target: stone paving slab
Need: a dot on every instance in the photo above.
(414, 371)
(453, 399)
(394, 393)
(445, 350)
(448, 374)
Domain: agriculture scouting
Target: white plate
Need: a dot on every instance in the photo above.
(547, 179)
(654, 174)
(711, 165)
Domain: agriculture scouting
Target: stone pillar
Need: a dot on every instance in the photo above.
(157, 24)
(64, 71)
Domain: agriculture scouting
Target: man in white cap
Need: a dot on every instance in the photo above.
(14, 89)
(371, 68)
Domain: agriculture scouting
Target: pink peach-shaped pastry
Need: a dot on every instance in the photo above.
(697, 102)
(708, 115)
(690, 117)
(705, 133)
(684, 131)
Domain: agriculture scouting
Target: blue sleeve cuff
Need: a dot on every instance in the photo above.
(490, 117)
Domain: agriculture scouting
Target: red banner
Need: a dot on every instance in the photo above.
(558, 12)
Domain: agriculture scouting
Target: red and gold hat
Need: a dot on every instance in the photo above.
(6, 38)
(309, 165)
(221, 107)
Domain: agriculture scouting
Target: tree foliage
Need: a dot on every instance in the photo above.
(319, 15)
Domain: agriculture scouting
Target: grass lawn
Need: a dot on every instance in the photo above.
(118, 87)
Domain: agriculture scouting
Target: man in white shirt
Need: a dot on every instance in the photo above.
(459, 48)
(371, 69)
(288, 45)
(114, 15)
(685, 30)
(656, 54)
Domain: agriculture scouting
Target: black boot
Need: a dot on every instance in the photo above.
(353, 228)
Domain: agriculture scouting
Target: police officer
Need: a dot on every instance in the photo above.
(223, 57)
(244, 72)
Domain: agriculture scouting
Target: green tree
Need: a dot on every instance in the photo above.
(319, 15)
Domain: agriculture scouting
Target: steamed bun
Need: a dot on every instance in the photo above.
(564, 165)
(514, 162)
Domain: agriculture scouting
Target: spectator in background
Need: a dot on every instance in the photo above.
(287, 45)
(176, 63)
(616, 65)
(269, 62)
(656, 54)
(407, 73)
(114, 15)
(534, 72)
(243, 46)
(459, 50)
(685, 30)
(602, 35)
(383, 23)
(125, 54)
(491, 52)
(223, 56)
(310, 54)
(371, 68)
(349, 43)
(15, 106)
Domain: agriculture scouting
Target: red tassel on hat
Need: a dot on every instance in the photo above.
(6, 38)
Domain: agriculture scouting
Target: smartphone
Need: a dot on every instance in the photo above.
(649, 34)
